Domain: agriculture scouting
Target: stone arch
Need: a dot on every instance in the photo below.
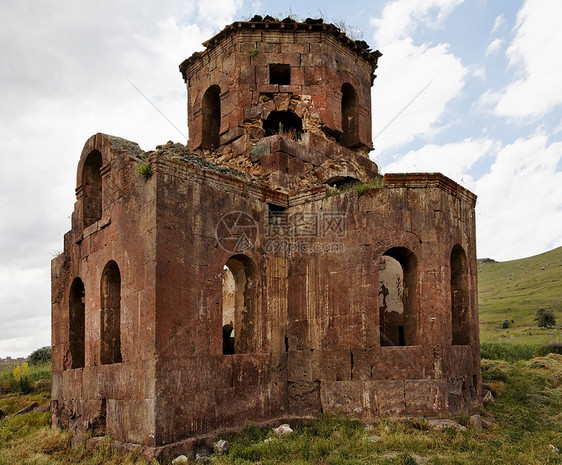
(460, 304)
(349, 116)
(210, 135)
(76, 324)
(110, 290)
(285, 122)
(92, 188)
(240, 304)
(398, 297)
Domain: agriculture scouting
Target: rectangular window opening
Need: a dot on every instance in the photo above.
(280, 74)
(275, 213)
(401, 338)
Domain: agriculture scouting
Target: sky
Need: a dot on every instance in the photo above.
(469, 88)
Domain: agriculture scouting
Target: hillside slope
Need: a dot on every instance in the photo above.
(514, 290)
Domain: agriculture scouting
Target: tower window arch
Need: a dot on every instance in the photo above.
(240, 303)
(460, 308)
(110, 314)
(92, 188)
(349, 116)
(210, 138)
(398, 299)
(285, 123)
(76, 324)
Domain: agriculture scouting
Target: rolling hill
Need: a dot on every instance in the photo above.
(514, 291)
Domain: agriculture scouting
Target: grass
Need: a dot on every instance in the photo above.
(357, 186)
(39, 375)
(515, 290)
(29, 440)
(527, 413)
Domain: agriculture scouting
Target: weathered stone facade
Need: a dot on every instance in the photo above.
(266, 271)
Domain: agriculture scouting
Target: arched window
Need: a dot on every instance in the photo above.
(239, 306)
(349, 117)
(285, 123)
(92, 188)
(76, 324)
(459, 297)
(210, 137)
(398, 300)
(110, 314)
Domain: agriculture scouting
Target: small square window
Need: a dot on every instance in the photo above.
(280, 74)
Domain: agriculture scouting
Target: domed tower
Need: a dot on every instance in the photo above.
(249, 277)
(304, 80)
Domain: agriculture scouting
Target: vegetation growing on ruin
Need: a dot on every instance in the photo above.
(355, 186)
(145, 170)
(254, 52)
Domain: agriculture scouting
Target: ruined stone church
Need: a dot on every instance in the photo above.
(266, 271)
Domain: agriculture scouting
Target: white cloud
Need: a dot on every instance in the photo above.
(519, 209)
(403, 71)
(64, 73)
(520, 200)
(478, 71)
(534, 54)
(26, 309)
(401, 17)
(498, 22)
(406, 68)
(453, 160)
(219, 12)
(494, 46)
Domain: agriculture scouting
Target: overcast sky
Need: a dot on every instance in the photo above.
(490, 116)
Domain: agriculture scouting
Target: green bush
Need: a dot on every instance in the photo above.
(40, 356)
(545, 318)
(550, 348)
(21, 375)
(9, 383)
(145, 170)
(509, 352)
(506, 324)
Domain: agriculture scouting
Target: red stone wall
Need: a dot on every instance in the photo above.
(239, 65)
(125, 234)
(314, 321)
(307, 321)
(333, 309)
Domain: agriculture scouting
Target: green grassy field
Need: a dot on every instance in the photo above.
(514, 290)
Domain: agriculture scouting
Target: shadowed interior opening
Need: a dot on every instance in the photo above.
(459, 297)
(283, 122)
(240, 299)
(111, 314)
(398, 302)
(210, 138)
(77, 324)
(92, 189)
